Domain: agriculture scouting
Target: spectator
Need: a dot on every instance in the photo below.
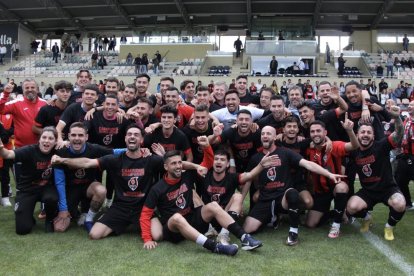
(102, 62)
(238, 46)
(94, 60)
(328, 53)
(129, 59)
(274, 87)
(15, 48)
(273, 66)
(380, 70)
(155, 64)
(382, 85)
(55, 52)
(405, 42)
(341, 64)
(123, 39)
(253, 89)
(137, 63)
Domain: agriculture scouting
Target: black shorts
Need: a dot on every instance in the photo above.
(194, 219)
(322, 202)
(76, 194)
(372, 198)
(264, 210)
(118, 218)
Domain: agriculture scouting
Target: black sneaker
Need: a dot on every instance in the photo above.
(49, 228)
(224, 249)
(250, 243)
(292, 239)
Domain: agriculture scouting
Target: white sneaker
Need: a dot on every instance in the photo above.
(211, 233)
(81, 219)
(5, 201)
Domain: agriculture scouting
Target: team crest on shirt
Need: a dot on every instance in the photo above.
(133, 183)
(366, 169)
(107, 139)
(46, 173)
(180, 201)
(271, 173)
(243, 153)
(179, 118)
(216, 198)
(80, 173)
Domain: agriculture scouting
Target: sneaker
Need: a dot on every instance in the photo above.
(292, 239)
(223, 239)
(250, 243)
(88, 226)
(365, 225)
(49, 228)
(81, 219)
(211, 233)
(224, 249)
(409, 207)
(334, 232)
(41, 215)
(389, 233)
(5, 201)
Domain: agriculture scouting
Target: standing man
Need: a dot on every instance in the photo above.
(238, 45)
(273, 66)
(55, 51)
(405, 42)
(375, 174)
(328, 53)
(341, 64)
(15, 48)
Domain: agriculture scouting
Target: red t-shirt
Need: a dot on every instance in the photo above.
(24, 112)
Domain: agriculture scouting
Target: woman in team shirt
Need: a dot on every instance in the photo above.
(36, 182)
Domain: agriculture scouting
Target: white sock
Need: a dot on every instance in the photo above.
(336, 225)
(224, 231)
(201, 239)
(294, 230)
(367, 216)
(90, 215)
(387, 225)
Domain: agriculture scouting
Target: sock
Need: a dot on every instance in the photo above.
(210, 244)
(394, 217)
(201, 239)
(336, 225)
(236, 230)
(90, 215)
(292, 197)
(224, 231)
(234, 215)
(340, 204)
(294, 230)
(387, 225)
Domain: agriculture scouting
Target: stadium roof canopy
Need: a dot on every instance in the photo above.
(94, 15)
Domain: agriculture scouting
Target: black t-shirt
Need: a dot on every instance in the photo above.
(219, 191)
(320, 108)
(132, 178)
(48, 116)
(269, 120)
(76, 97)
(171, 198)
(333, 125)
(298, 173)
(151, 120)
(274, 181)
(73, 113)
(243, 147)
(177, 140)
(192, 135)
(82, 176)
(36, 169)
(249, 99)
(374, 167)
(108, 133)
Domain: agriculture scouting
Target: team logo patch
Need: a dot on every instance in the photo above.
(366, 169)
(243, 153)
(46, 173)
(271, 173)
(216, 198)
(107, 139)
(133, 183)
(80, 173)
(180, 201)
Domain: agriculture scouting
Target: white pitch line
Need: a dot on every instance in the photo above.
(387, 251)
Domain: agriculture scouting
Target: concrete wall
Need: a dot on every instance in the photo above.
(176, 52)
(25, 37)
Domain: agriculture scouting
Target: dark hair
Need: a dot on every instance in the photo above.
(244, 111)
(319, 123)
(173, 88)
(169, 109)
(267, 89)
(50, 129)
(295, 87)
(62, 84)
(325, 82)
(231, 91)
(133, 125)
(112, 96)
(145, 100)
(291, 119)
(82, 71)
(113, 79)
(222, 152)
(308, 104)
(353, 82)
(79, 125)
(201, 108)
(171, 153)
(92, 87)
(167, 78)
(360, 124)
(203, 88)
(184, 84)
(277, 97)
(143, 75)
(132, 86)
(241, 77)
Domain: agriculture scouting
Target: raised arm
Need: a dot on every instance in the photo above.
(313, 167)
(348, 125)
(398, 133)
(76, 163)
(5, 153)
